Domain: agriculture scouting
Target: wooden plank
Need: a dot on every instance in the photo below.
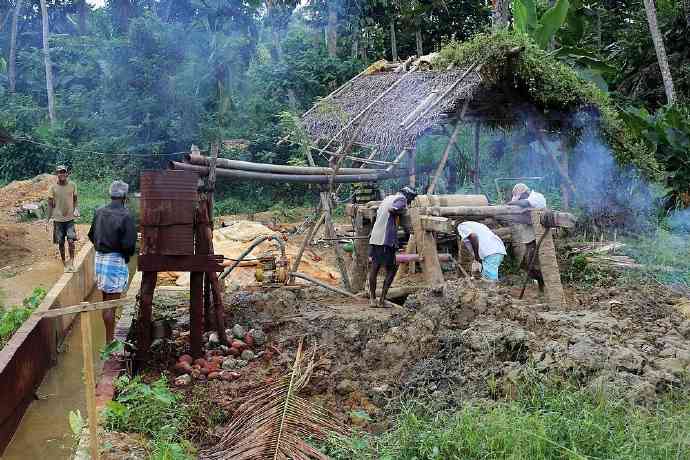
(426, 247)
(196, 322)
(84, 307)
(90, 383)
(186, 263)
(548, 262)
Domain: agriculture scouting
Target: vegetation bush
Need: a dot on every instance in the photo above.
(151, 409)
(13, 317)
(546, 421)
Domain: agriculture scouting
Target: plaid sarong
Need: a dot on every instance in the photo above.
(112, 273)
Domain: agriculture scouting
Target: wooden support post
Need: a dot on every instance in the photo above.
(411, 167)
(426, 247)
(477, 182)
(196, 322)
(307, 240)
(90, 383)
(360, 263)
(553, 289)
(209, 309)
(444, 159)
(148, 286)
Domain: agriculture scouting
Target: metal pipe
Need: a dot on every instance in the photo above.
(269, 177)
(224, 163)
(323, 285)
(249, 249)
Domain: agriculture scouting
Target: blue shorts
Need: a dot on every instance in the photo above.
(490, 266)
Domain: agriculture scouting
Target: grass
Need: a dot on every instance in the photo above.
(92, 194)
(544, 422)
(664, 255)
(13, 317)
(153, 410)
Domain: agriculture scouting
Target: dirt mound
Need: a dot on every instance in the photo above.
(19, 192)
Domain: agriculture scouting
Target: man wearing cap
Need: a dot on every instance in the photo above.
(62, 210)
(114, 236)
(524, 238)
(383, 241)
(486, 247)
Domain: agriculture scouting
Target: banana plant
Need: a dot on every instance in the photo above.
(542, 29)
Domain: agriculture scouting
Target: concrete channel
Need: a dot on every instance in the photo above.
(41, 370)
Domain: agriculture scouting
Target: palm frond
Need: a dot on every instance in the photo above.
(275, 422)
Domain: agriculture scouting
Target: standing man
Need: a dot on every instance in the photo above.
(524, 238)
(114, 236)
(383, 241)
(62, 210)
(486, 247)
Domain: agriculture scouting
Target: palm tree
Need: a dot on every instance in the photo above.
(46, 58)
(13, 47)
(650, 9)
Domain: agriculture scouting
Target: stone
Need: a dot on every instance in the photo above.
(183, 380)
(224, 349)
(213, 339)
(247, 355)
(673, 365)
(214, 376)
(186, 358)
(628, 360)
(259, 337)
(345, 387)
(238, 331)
(228, 363)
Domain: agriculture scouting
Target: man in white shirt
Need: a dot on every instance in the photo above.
(486, 247)
(524, 239)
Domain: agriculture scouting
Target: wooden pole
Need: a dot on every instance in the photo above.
(90, 382)
(307, 239)
(444, 159)
(148, 286)
(196, 324)
(411, 168)
(477, 182)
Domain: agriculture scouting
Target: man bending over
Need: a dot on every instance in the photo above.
(383, 241)
(486, 247)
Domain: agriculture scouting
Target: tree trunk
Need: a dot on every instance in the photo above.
(501, 14)
(276, 48)
(49, 67)
(394, 44)
(332, 29)
(355, 43)
(364, 47)
(650, 9)
(686, 11)
(83, 11)
(13, 47)
(477, 181)
(4, 20)
(418, 35)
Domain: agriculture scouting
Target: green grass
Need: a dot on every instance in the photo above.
(543, 423)
(13, 317)
(153, 410)
(92, 194)
(664, 255)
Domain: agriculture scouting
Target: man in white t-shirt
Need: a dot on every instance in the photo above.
(524, 239)
(486, 247)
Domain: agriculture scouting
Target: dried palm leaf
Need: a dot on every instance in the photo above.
(275, 421)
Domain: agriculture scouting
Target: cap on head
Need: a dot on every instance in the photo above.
(520, 188)
(409, 193)
(61, 168)
(118, 189)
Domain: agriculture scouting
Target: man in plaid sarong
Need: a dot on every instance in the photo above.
(114, 236)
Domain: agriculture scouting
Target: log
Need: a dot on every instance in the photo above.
(474, 211)
(224, 163)
(269, 177)
(323, 285)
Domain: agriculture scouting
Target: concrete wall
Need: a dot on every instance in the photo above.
(27, 357)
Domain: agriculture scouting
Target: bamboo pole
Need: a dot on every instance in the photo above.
(90, 382)
(444, 159)
(224, 163)
(307, 239)
(270, 177)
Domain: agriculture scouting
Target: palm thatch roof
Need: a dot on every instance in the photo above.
(390, 123)
(513, 80)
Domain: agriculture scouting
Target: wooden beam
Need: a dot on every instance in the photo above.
(90, 382)
(190, 263)
(444, 158)
(85, 307)
(548, 263)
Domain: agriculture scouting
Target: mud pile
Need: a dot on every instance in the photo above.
(463, 342)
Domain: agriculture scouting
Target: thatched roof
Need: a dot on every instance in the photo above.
(508, 85)
(382, 125)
